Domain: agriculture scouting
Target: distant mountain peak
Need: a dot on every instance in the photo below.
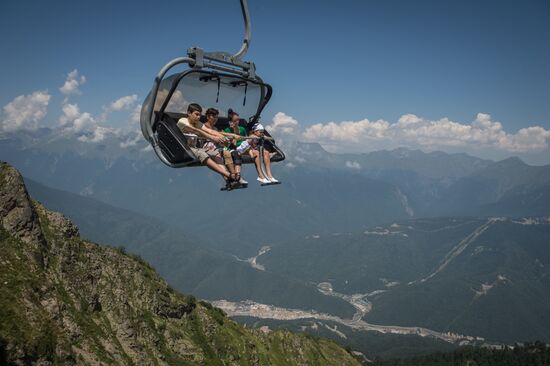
(312, 147)
(512, 161)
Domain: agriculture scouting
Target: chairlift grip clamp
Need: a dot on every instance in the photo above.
(197, 54)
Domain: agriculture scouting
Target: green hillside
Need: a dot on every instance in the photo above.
(64, 300)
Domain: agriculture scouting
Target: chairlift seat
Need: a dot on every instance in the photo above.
(174, 143)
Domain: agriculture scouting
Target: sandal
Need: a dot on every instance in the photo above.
(232, 182)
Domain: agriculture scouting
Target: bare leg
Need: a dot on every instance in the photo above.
(254, 154)
(218, 168)
(267, 162)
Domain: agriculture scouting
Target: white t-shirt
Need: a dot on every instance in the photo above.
(241, 149)
(183, 124)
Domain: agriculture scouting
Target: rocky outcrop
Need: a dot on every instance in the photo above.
(91, 305)
(17, 215)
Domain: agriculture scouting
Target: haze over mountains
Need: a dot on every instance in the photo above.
(323, 192)
(401, 238)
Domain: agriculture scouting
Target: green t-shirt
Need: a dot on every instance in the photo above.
(242, 132)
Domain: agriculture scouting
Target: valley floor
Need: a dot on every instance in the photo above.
(360, 302)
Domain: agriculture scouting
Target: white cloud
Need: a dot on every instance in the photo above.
(347, 131)
(74, 120)
(125, 102)
(72, 83)
(70, 113)
(83, 124)
(177, 102)
(25, 112)
(527, 139)
(136, 114)
(97, 134)
(411, 130)
(408, 119)
(283, 123)
(353, 165)
(147, 148)
(131, 140)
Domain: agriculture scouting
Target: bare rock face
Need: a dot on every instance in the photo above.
(63, 225)
(17, 214)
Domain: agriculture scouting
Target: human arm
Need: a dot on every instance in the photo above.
(233, 136)
(201, 131)
(213, 135)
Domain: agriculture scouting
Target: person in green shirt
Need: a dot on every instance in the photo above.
(236, 129)
(234, 126)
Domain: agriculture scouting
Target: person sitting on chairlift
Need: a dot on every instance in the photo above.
(235, 129)
(251, 146)
(230, 163)
(210, 158)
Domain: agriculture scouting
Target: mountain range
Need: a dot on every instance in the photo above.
(322, 192)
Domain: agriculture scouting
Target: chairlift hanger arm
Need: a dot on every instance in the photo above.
(224, 61)
(247, 33)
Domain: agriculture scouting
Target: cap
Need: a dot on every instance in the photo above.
(258, 127)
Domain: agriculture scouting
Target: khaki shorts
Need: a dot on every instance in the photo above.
(202, 155)
(227, 158)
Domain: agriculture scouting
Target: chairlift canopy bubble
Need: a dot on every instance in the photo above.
(212, 80)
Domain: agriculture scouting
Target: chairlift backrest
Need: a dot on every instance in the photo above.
(221, 124)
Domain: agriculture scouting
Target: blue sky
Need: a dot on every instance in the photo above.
(328, 61)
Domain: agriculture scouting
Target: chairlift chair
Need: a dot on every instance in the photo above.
(211, 79)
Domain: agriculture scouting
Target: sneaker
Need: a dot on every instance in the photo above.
(242, 181)
(263, 180)
(273, 180)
